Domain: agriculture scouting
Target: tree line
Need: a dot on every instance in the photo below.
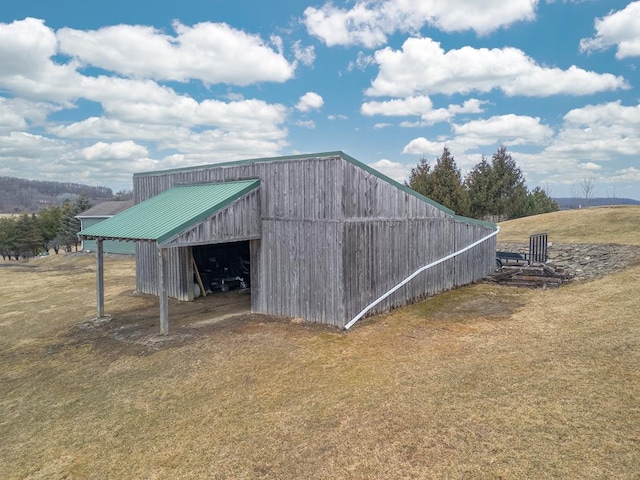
(56, 228)
(493, 190)
(21, 195)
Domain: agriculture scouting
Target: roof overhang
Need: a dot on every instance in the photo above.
(165, 216)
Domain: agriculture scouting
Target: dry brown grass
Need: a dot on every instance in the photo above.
(481, 382)
(588, 225)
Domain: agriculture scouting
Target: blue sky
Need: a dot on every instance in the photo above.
(93, 92)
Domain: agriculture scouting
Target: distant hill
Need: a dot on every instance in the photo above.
(568, 203)
(21, 195)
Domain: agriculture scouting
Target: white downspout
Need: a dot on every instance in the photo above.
(414, 274)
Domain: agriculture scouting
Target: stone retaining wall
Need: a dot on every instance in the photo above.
(584, 261)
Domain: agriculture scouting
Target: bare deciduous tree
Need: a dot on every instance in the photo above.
(587, 186)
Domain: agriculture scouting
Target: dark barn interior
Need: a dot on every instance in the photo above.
(223, 266)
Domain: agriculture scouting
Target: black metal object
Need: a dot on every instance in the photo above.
(505, 258)
(538, 248)
(538, 253)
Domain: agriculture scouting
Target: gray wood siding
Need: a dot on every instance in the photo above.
(239, 221)
(300, 267)
(378, 255)
(333, 237)
(367, 196)
(179, 271)
(308, 189)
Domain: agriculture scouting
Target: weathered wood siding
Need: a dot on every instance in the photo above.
(238, 221)
(300, 270)
(365, 195)
(333, 238)
(307, 189)
(179, 270)
(380, 254)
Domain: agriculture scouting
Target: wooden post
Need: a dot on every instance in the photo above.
(162, 291)
(99, 278)
(198, 277)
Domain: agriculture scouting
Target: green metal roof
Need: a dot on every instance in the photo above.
(171, 212)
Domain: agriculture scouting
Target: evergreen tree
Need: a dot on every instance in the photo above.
(493, 190)
(508, 190)
(446, 184)
(28, 238)
(443, 184)
(539, 202)
(66, 235)
(419, 180)
(478, 183)
(8, 233)
(69, 224)
(50, 224)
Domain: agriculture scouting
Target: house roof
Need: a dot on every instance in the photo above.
(106, 209)
(171, 212)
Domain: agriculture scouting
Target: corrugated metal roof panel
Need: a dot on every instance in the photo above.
(167, 214)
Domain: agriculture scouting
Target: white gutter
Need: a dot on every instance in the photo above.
(415, 274)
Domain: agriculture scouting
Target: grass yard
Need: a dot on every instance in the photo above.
(481, 382)
(589, 225)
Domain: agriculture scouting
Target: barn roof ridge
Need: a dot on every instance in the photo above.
(310, 156)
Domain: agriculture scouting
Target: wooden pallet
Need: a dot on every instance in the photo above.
(536, 275)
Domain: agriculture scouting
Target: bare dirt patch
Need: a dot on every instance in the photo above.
(137, 331)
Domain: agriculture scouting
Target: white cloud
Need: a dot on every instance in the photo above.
(23, 45)
(305, 55)
(305, 124)
(339, 116)
(630, 174)
(507, 129)
(591, 166)
(612, 113)
(361, 62)
(116, 150)
(396, 170)
(398, 107)
(621, 28)
(419, 106)
(423, 67)
(114, 130)
(599, 132)
(26, 48)
(23, 145)
(369, 22)
(595, 139)
(10, 119)
(107, 146)
(19, 114)
(309, 101)
(422, 146)
(210, 52)
(210, 146)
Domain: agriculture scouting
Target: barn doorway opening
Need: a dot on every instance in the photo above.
(223, 267)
